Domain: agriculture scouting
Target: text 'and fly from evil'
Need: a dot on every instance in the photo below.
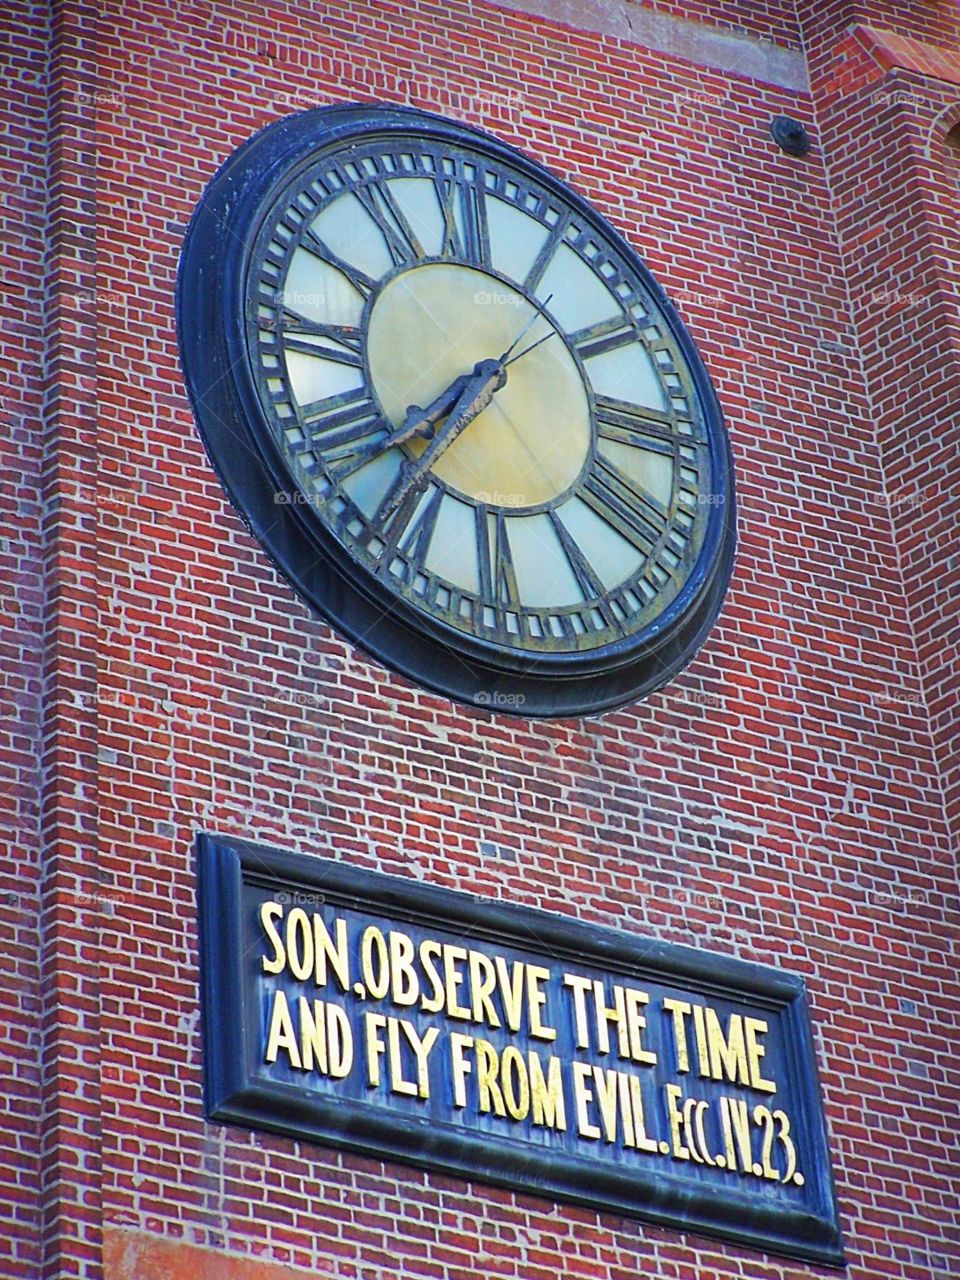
(533, 1046)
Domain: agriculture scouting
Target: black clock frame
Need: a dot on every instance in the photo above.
(211, 320)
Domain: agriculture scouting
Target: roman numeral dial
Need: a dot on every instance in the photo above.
(554, 506)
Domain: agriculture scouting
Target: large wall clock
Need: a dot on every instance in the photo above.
(456, 410)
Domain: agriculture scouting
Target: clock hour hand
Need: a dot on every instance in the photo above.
(417, 420)
(478, 390)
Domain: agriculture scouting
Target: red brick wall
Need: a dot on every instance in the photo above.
(23, 136)
(895, 197)
(781, 801)
(71, 883)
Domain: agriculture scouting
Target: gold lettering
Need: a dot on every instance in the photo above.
(281, 1034)
(783, 1120)
(699, 1133)
(428, 951)
(549, 1108)
(635, 1024)
(623, 1034)
(700, 1035)
(762, 1115)
(757, 1027)
(338, 957)
(313, 1035)
(374, 1024)
(740, 1123)
(688, 1109)
(376, 977)
(536, 1000)
(269, 912)
(516, 1086)
(727, 1131)
(582, 1095)
(680, 1009)
(640, 1129)
(675, 1116)
(397, 1083)
(579, 986)
(299, 944)
(488, 1088)
(604, 1014)
(325, 1041)
(404, 984)
(606, 1086)
(626, 1109)
(339, 1041)
(421, 1049)
(454, 980)
(481, 985)
(461, 1067)
(511, 989)
(728, 1054)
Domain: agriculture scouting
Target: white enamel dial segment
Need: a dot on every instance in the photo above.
(544, 576)
(312, 377)
(369, 485)
(577, 297)
(626, 373)
(652, 471)
(419, 202)
(349, 231)
(515, 238)
(612, 557)
(318, 291)
(452, 554)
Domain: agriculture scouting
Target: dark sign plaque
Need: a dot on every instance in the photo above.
(512, 1046)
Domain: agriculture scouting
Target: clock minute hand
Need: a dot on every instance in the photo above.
(532, 347)
(479, 389)
(537, 315)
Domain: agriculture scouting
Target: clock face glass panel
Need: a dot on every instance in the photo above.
(570, 510)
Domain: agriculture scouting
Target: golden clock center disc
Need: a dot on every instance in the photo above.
(432, 324)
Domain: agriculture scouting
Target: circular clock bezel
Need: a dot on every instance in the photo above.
(211, 319)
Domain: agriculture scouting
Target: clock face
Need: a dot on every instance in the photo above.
(495, 457)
